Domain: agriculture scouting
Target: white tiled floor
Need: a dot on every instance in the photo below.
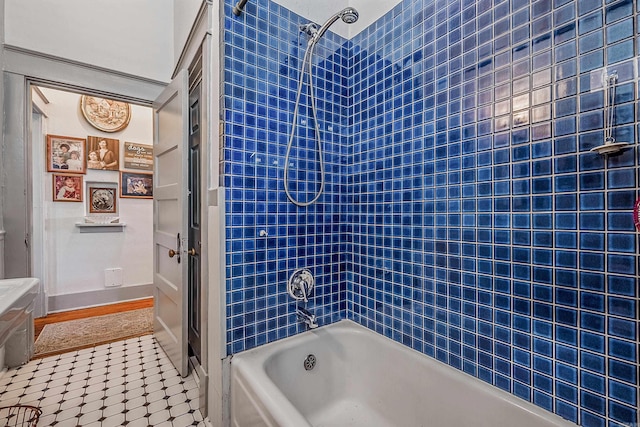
(126, 383)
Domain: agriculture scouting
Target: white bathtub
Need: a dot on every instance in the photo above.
(365, 379)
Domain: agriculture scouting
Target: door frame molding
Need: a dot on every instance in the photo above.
(205, 39)
(79, 76)
(23, 68)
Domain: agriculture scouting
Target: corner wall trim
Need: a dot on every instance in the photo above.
(100, 297)
(199, 30)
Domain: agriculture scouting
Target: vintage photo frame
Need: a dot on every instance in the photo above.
(67, 187)
(103, 153)
(102, 199)
(66, 154)
(136, 185)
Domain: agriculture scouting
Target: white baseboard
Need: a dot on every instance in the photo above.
(100, 297)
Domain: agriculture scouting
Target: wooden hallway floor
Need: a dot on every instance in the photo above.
(84, 313)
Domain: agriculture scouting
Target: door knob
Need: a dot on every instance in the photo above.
(175, 252)
(192, 252)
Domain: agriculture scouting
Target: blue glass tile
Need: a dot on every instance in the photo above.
(618, 10)
(566, 410)
(592, 342)
(591, 42)
(621, 243)
(621, 178)
(625, 264)
(593, 402)
(623, 392)
(590, 22)
(541, 185)
(592, 181)
(623, 371)
(566, 392)
(620, 200)
(622, 285)
(622, 349)
(566, 221)
(585, 6)
(592, 241)
(591, 101)
(591, 201)
(590, 121)
(564, 14)
(591, 420)
(566, 316)
(590, 381)
(620, 31)
(620, 52)
(622, 328)
(592, 362)
(622, 413)
(592, 261)
(566, 182)
(625, 307)
(591, 61)
(592, 301)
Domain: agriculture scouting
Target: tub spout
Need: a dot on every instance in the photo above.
(307, 317)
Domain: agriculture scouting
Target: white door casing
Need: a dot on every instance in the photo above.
(170, 211)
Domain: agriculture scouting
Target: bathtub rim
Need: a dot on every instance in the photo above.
(250, 368)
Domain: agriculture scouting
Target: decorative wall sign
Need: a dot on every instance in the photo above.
(65, 154)
(138, 156)
(67, 188)
(136, 185)
(104, 114)
(102, 200)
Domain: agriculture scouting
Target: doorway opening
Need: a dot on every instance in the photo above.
(91, 200)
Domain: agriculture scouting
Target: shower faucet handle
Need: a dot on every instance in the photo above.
(300, 285)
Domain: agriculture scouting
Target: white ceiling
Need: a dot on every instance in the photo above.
(319, 11)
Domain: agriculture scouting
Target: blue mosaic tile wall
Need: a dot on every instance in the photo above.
(464, 215)
(263, 50)
(485, 234)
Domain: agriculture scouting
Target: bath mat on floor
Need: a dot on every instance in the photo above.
(63, 337)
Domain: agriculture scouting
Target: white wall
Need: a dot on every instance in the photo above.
(134, 37)
(184, 16)
(75, 262)
(319, 11)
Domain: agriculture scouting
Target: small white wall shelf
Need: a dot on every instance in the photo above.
(100, 228)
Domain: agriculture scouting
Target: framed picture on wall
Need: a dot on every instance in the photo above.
(102, 199)
(103, 153)
(136, 185)
(66, 154)
(67, 188)
(138, 156)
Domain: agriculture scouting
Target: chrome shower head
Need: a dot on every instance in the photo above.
(349, 15)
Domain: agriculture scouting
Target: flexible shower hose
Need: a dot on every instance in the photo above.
(308, 54)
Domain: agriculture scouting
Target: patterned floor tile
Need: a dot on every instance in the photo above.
(129, 383)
